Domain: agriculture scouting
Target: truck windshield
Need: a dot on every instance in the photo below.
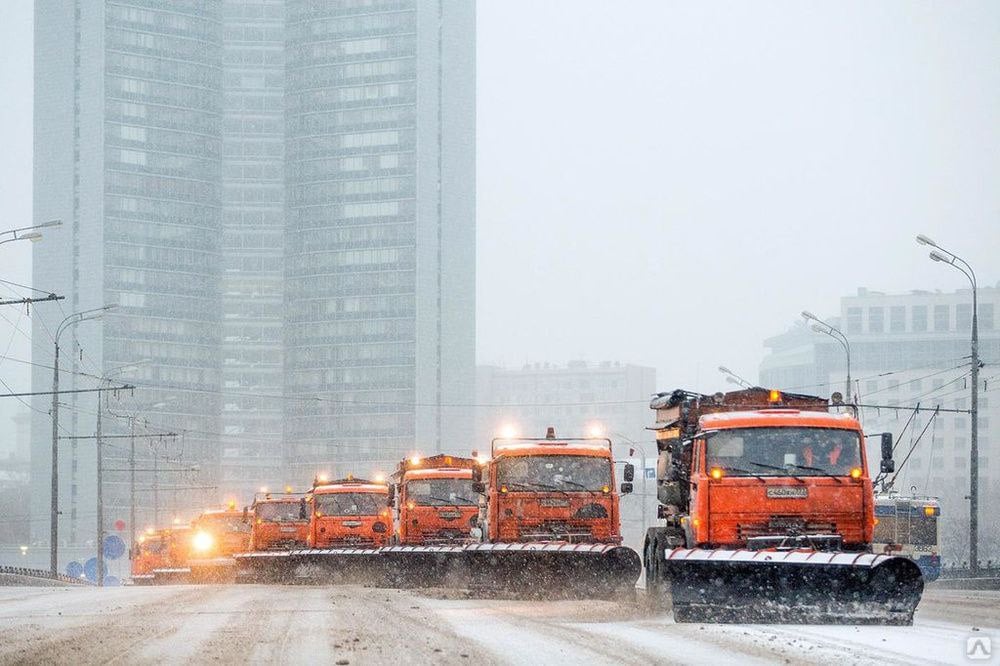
(441, 492)
(563, 473)
(349, 504)
(784, 451)
(153, 546)
(279, 512)
(223, 523)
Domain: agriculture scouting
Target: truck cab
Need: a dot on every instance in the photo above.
(761, 477)
(218, 534)
(278, 522)
(759, 469)
(550, 490)
(349, 512)
(434, 500)
(151, 552)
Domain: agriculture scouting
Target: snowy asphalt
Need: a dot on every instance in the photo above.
(354, 625)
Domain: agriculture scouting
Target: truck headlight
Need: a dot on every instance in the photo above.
(202, 542)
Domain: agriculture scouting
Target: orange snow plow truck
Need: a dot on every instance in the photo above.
(768, 514)
(216, 536)
(348, 521)
(278, 521)
(160, 556)
(435, 509)
(550, 523)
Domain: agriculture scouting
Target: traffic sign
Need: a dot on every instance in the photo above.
(114, 547)
(74, 569)
(90, 569)
(119, 524)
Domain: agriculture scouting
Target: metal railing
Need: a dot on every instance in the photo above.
(42, 573)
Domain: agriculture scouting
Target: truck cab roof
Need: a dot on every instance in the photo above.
(764, 418)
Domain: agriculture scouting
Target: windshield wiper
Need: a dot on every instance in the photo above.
(542, 486)
(822, 472)
(776, 468)
(739, 470)
(580, 486)
(449, 502)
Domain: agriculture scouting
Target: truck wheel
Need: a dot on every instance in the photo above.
(656, 590)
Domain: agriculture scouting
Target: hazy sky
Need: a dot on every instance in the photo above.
(671, 183)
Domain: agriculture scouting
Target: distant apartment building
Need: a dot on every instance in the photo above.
(907, 350)
(610, 396)
(279, 195)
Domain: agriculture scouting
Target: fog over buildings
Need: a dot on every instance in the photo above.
(661, 185)
(279, 197)
(907, 350)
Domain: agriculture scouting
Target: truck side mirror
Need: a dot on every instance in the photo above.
(303, 514)
(626, 488)
(477, 473)
(888, 464)
(391, 499)
(629, 472)
(478, 487)
(246, 515)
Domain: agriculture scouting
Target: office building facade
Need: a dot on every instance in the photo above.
(908, 350)
(279, 197)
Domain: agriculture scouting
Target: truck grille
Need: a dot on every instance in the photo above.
(780, 525)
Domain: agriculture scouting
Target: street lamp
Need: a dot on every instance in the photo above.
(942, 255)
(33, 236)
(71, 320)
(734, 378)
(829, 329)
(16, 235)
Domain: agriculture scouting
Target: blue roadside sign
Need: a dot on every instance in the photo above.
(114, 547)
(90, 569)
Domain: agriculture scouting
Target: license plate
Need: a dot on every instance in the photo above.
(351, 523)
(787, 492)
(288, 530)
(449, 515)
(554, 502)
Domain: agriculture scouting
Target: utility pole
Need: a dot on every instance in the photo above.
(100, 497)
(71, 320)
(156, 487)
(956, 262)
(131, 483)
(54, 508)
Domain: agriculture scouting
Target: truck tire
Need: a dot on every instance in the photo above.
(656, 588)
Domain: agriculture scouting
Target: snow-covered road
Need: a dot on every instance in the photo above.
(354, 625)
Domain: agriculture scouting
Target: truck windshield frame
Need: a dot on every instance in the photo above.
(441, 492)
(279, 512)
(223, 523)
(793, 451)
(563, 473)
(350, 504)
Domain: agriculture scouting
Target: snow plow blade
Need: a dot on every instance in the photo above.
(165, 576)
(424, 566)
(216, 570)
(792, 587)
(552, 570)
(313, 565)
